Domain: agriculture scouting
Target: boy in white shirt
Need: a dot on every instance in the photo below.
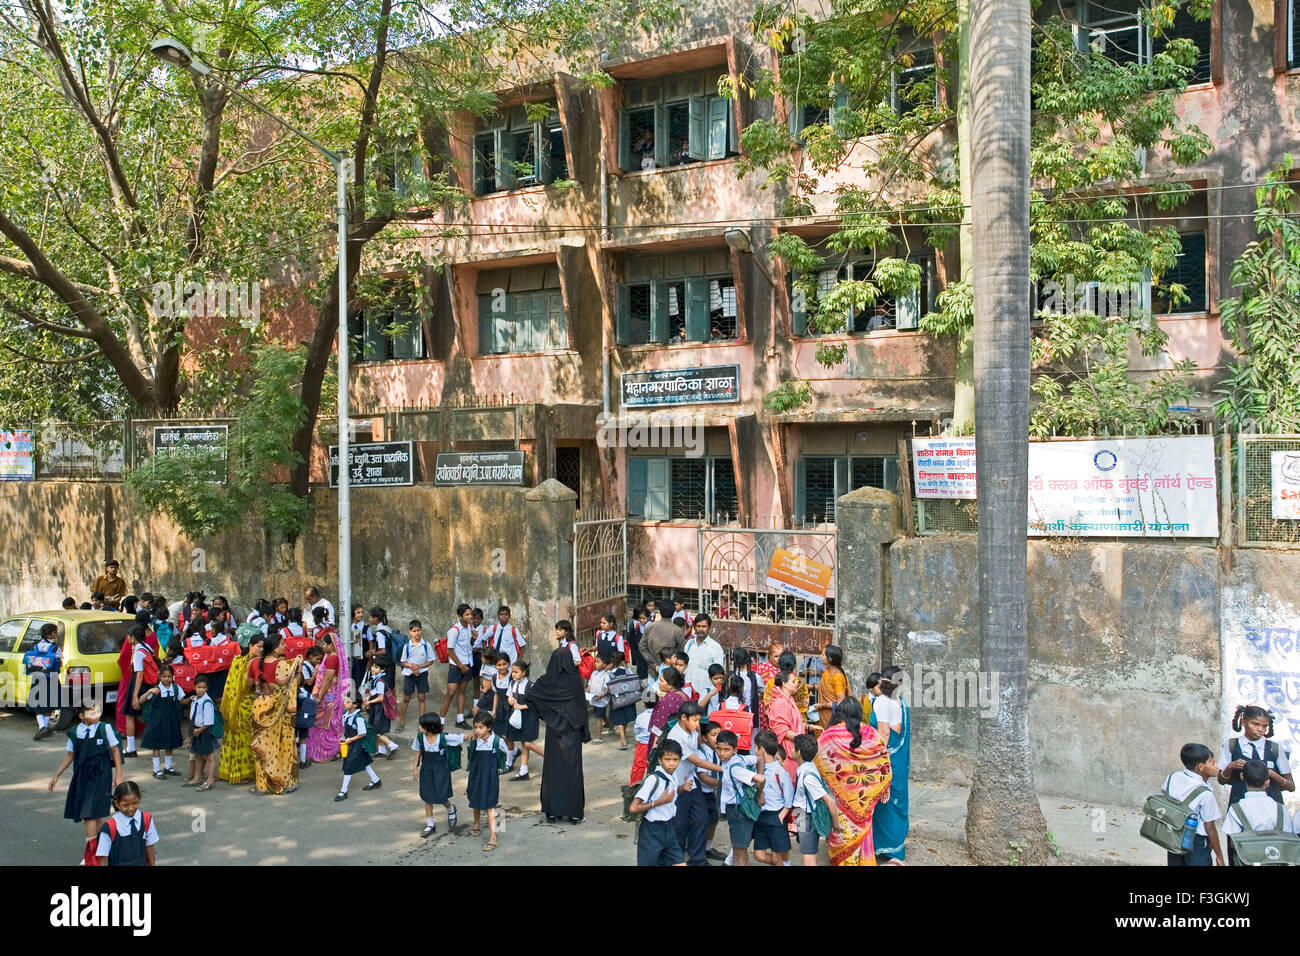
(1256, 810)
(809, 789)
(1199, 767)
(504, 637)
(692, 811)
(460, 657)
(737, 771)
(417, 658)
(656, 840)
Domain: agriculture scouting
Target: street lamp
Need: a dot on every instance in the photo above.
(174, 53)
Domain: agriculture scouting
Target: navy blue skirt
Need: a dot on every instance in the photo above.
(358, 758)
(622, 716)
(204, 744)
(377, 719)
(526, 734)
(484, 790)
(435, 778)
(163, 730)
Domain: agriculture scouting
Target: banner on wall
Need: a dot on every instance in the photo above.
(1286, 485)
(799, 576)
(17, 454)
(1261, 662)
(944, 467)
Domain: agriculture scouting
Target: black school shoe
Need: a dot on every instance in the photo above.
(159, 775)
(373, 786)
(714, 855)
(130, 753)
(169, 772)
(339, 798)
(428, 832)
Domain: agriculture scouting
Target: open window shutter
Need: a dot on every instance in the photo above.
(624, 142)
(542, 153)
(408, 343)
(659, 312)
(376, 343)
(795, 119)
(698, 125)
(840, 111)
(556, 322)
(907, 308)
(486, 344)
(800, 491)
(891, 474)
(356, 334)
(637, 471)
(662, 146)
(622, 315)
(798, 317)
(841, 483)
(505, 159)
(719, 126)
(656, 503)
(697, 309)
(539, 317)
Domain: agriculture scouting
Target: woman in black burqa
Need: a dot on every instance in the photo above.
(560, 701)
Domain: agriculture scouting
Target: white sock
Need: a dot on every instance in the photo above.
(460, 718)
(370, 772)
(156, 764)
(302, 752)
(731, 858)
(429, 821)
(347, 777)
(168, 762)
(787, 863)
(130, 744)
(42, 721)
(708, 845)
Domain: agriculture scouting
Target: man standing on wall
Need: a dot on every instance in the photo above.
(110, 584)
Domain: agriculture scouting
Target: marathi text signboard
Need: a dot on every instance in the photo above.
(688, 386)
(1286, 485)
(194, 441)
(1261, 661)
(1126, 487)
(17, 455)
(800, 576)
(479, 468)
(375, 464)
(945, 467)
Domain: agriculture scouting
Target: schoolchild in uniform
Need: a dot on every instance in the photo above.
(712, 700)
(137, 687)
(656, 838)
(501, 705)
(417, 658)
(162, 731)
(692, 813)
(524, 738)
(680, 614)
(737, 770)
(641, 755)
(1198, 769)
(96, 768)
(380, 641)
(809, 788)
(128, 837)
(203, 714)
(478, 638)
(487, 675)
(771, 832)
(598, 690)
(709, 782)
(355, 755)
(1256, 810)
(609, 638)
(307, 684)
(504, 637)
(484, 790)
(431, 771)
(623, 716)
(359, 644)
(1255, 725)
(373, 699)
(635, 628)
(460, 654)
(41, 664)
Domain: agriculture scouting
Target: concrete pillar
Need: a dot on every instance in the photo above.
(867, 520)
(550, 509)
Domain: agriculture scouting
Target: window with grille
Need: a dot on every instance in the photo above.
(1121, 30)
(513, 151)
(726, 505)
(818, 505)
(1292, 36)
(387, 332)
(1189, 272)
(722, 309)
(673, 299)
(915, 86)
(681, 489)
(886, 312)
(568, 470)
(688, 497)
(671, 121)
(820, 480)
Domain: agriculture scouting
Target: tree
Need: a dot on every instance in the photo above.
(1261, 391)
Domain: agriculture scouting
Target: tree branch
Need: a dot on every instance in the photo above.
(48, 326)
(25, 270)
(41, 361)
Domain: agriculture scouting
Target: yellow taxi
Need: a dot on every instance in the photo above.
(89, 641)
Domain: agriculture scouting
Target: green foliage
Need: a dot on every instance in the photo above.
(789, 396)
(1261, 391)
(260, 451)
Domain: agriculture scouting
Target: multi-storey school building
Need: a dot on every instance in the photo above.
(595, 260)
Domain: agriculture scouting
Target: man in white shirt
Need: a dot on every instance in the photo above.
(314, 600)
(701, 652)
(417, 658)
(460, 656)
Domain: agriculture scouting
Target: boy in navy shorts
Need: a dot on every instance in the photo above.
(657, 843)
(737, 771)
(460, 656)
(417, 658)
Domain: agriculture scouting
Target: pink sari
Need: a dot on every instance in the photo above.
(323, 739)
(784, 717)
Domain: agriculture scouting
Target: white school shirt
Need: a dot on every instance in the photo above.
(1261, 813)
(174, 691)
(125, 827)
(307, 673)
(460, 641)
(598, 686)
(1253, 750)
(88, 730)
(613, 637)
(715, 703)
(517, 689)
(641, 729)
(354, 724)
(734, 703)
(216, 638)
(709, 754)
(421, 743)
(573, 649)
(202, 713)
(655, 786)
(137, 658)
(195, 640)
(738, 770)
(809, 787)
(415, 655)
(381, 635)
(504, 640)
(778, 788)
(487, 743)
(1183, 782)
(690, 748)
(480, 632)
(329, 610)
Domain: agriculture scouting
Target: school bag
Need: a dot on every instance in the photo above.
(498, 748)
(305, 718)
(739, 722)
(390, 705)
(821, 817)
(147, 819)
(1166, 820)
(1253, 847)
(371, 740)
(624, 690)
(587, 667)
(748, 804)
(150, 671)
(655, 794)
(164, 631)
(453, 753)
(246, 633)
(652, 760)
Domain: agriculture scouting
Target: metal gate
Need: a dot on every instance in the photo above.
(599, 570)
(739, 557)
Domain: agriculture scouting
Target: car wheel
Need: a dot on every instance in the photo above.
(62, 718)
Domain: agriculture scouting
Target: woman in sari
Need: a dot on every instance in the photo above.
(854, 763)
(834, 686)
(121, 713)
(671, 699)
(784, 718)
(276, 759)
(561, 702)
(323, 739)
(237, 764)
(894, 724)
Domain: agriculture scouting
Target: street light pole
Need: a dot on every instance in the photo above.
(175, 53)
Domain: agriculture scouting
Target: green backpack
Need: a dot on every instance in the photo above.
(821, 817)
(748, 805)
(1165, 818)
(453, 753)
(1253, 847)
(652, 761)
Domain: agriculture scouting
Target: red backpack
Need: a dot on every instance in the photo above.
(150, 665)
(92, 859)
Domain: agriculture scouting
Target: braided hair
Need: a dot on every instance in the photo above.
(1251, 712)
(849, 713)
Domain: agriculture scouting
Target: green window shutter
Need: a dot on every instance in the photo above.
(542, 153)
(376, 342)
(624, 142)
(800, 491)
(662, 148)
(795, 120)
(839, 112)
(486, 344)
(659, 312)
(698, 126)
(697, 309)
(719, 127)
(637, 471)
(907, 308)
(656, 500)
(798, 317)
(556, 322)
(841, 483)
(539, 317)
(891, 474)
(622, 315)
(409, 343)
(505, 159)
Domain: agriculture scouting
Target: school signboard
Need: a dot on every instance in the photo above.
(687, 386)
(944, 467)
(194, 441)
(17, 455)
(799, 576)
(479, 468)
(375, 465)
(1286, 485)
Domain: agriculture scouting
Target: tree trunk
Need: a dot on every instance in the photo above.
(963, 398)
(1003, 820)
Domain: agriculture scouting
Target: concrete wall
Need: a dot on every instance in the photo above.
(415, 551)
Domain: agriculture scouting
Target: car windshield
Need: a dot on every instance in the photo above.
(102, 637)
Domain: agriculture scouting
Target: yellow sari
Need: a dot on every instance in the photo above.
(237, 763)
(276, 764)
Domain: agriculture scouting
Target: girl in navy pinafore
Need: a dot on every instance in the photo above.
(94, 757)
(162, 726)
(486, 755)
(433, 771)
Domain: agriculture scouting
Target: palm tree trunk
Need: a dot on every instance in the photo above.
(1003, 819)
